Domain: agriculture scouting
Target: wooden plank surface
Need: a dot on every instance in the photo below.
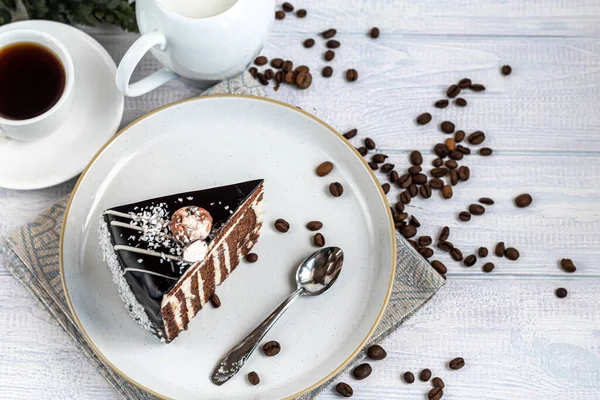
(520, 342)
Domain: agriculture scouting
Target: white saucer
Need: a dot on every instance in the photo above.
(96, 114)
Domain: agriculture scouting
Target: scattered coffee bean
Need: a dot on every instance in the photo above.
(215, 301)
(288, 77)
(251, 257)
(362, 371)
(444, 234)
(464, 216)
(464, 173)
(327, 72)
(439, 267)
(470, 260)
(476, 137)
(453, 91)
(457, 363)
(413, 190)
(351, 75)
(476, 209)
(277, 63)
(425, 241)
(308, 43)
(287, 66)
(374, 166)
(262, 79)
(253, 71)
(362, 150)
(443, 103)
(319, 240)
(456, 254)
(424, 119)
(485, 151)
(332, 44)
(260, 61)
(414, 221)
(301, 13)
(329, 33)
(506, 70)
(499, 251)
(438, 382)
(287, 7)
(269, 74)
(523, 200)
(425, 191)
(488, 267)
(336, 189)
(435, 394)
(351, 133)
(409, 231)
(426, 252)
(447, 192)
(302, 68)
(279, 14)
(324, 168)
(405, 197)
(253, 378)
(416, 158)
(379, 158)
(374, 33)
(476, 87)
(314, 225)
(441, 150)
(386, 188)
(425, 375)
(414, 244)
(438, 172)
(329, 55)
(447, 127)
(482, 252)
(419, 179)
(370, 143)
(456, 155)
(282, 225)
(409, 377)
(460, 102)
(303, 80)
(463, 149)
(561, 293)
(414, 170)
(567, 265)
(511, 253)
(464, 83)
(487, 201)
(436, 183)
(450, 144)
(271, 348)
(387, 167)
(445, 246)
(400, 216)
(459, 136)
(399, 207)
(376, 352)
(344, 389)
(394, 177)
(451, 164)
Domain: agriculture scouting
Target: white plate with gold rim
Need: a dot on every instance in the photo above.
(216, 140)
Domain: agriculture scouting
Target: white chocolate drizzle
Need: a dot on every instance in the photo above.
(121, 247)
(149, 272)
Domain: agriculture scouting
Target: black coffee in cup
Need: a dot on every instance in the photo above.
(32, 80)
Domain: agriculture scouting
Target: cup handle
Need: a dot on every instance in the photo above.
(132, 58)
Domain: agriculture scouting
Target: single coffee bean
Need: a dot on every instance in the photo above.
(419, 179)
(376, 352)
(438, 172)
(567, 265)
(288, 77)
(482, 252)
(453, 177)
(414, 221)
(282, 225)
(444, 234)
(329, 33)
(302, 68)
(362, 150)
(260, 61)
(251, 257)
(332, 44)
(387, 167)
(464, 216)
(319, 240)
(464, 173)
(279, 76)
(435, 394)
(487, 201)
(344, 389)
(416, 158)
(425, 191)
(279, 14)
(329, 55)
(413, 190)
(438, 382)
(443, 103)
(476, 209)
(336, 189)
(351, 133)
(287, 66)
(450, 144)
(436, 183)
(464, 83)
(459, 136)
(456, 254)
(277, 63)
(253, 378)
(253, 71)
(405, 197)
(409, 377)
(470, 260)
(271, 348)
(324, 168)
(447, 127)
(370, 143)
(424, 119)
(441, 150)
(511, 253)
(414, 170)
(301, 13)
(499, 250)
(561, 293)
(303, 80)
(308, 43)
(476, 87)
(453, 91)
(447, 192)
(463, 149)
(425, 241)
(327, 72)
(523, 200)
(439, 267)
(405, 180)
(426, 252)
(400, 216)
(457, 363)
(215, 301)
(351, 75)
(362, 371)
(262, 79)
(386, 188)
(374, 166)
(485, 151)
(399, 207)
(425, 375)
(409, 231)
(379, 158)
(451, 164)
(460, 102)
(394, 177)
(456, 155)
(314, 225)
(476, 137)
(374, 33)
(488, 267)
(445, 246)
(506, 70)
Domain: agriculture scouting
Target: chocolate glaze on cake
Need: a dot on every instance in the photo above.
(160, 290)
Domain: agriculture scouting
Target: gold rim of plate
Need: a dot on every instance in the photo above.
(280, 103)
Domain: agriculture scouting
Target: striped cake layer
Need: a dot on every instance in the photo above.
(199, 282)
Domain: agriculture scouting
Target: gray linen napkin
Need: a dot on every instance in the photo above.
(32, 253)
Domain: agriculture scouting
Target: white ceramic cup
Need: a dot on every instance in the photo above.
(201, 40)
(45, 124)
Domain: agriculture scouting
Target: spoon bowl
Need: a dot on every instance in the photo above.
(319, 271)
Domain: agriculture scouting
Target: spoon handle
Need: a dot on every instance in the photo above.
(237, 356)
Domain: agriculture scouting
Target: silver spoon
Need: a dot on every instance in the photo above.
(315, 275)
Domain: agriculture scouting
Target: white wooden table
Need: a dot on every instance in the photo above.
(543, 122)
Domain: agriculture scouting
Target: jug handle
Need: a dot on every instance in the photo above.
(132, 58)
